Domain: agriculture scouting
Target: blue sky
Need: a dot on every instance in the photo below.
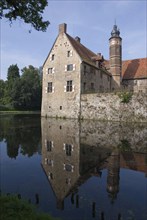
(92, 21)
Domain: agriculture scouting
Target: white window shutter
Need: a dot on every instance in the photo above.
(52, 144)
(65, 67)
(63, 146)
(74, 66)
(72, 148)
(53, 89)
(50, 57)
(45, 161)
(64, 88)
(49, 176)
(71, 52)
(45, 89)
(73, 88)
(46, 70)
(64, 166)
(53, 70)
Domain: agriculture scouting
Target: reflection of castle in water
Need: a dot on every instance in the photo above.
(73, 152)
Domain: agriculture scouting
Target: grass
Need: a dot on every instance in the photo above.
(19, 112)
(12, 208)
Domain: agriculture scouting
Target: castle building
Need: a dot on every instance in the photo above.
(71, 70)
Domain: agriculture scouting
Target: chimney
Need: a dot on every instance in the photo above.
(77, 39)
(62, 28)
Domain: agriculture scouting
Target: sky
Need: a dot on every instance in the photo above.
(91, 20)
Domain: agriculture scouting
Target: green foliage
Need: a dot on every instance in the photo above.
(21, 93)
(30, 11)
(12, 208)
(21, 134)
(13, 73)
(2, 91)
(125, 97)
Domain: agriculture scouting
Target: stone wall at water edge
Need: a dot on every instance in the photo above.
(114, 106)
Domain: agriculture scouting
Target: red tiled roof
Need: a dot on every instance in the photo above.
(134, 69)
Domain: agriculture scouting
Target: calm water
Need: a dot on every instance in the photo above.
(75, 171)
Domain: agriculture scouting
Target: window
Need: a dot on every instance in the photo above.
(68, 149)
(50, 163)
(69, 86)
(84, 86)
(69, 67)
(49, 88)
(60, 107)
(69, 53)
(49, 146)
(84, 70)
(50, 70)
(92, 86)
(53, 56)
(68, 167)
(50, 176)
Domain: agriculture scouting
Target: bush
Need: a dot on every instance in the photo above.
(125, 97)
(12, 208)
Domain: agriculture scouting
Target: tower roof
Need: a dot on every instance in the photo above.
(115, 31)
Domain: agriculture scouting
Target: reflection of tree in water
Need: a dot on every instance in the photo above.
(30, 140)
(21, 131)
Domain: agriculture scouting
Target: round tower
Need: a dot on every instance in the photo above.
(115, 49)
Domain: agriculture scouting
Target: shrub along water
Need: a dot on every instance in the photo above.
(13, 208)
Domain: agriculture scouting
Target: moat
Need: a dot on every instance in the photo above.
(75, 170)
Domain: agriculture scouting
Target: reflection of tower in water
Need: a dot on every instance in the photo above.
(113, 174)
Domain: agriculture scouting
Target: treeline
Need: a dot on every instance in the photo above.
(21, 92)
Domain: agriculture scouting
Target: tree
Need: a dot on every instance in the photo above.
(2, 91)
(26, 91)
(12, 77)
(30, 11)
(13, 72)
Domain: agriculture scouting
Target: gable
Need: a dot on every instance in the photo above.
(85, 54)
